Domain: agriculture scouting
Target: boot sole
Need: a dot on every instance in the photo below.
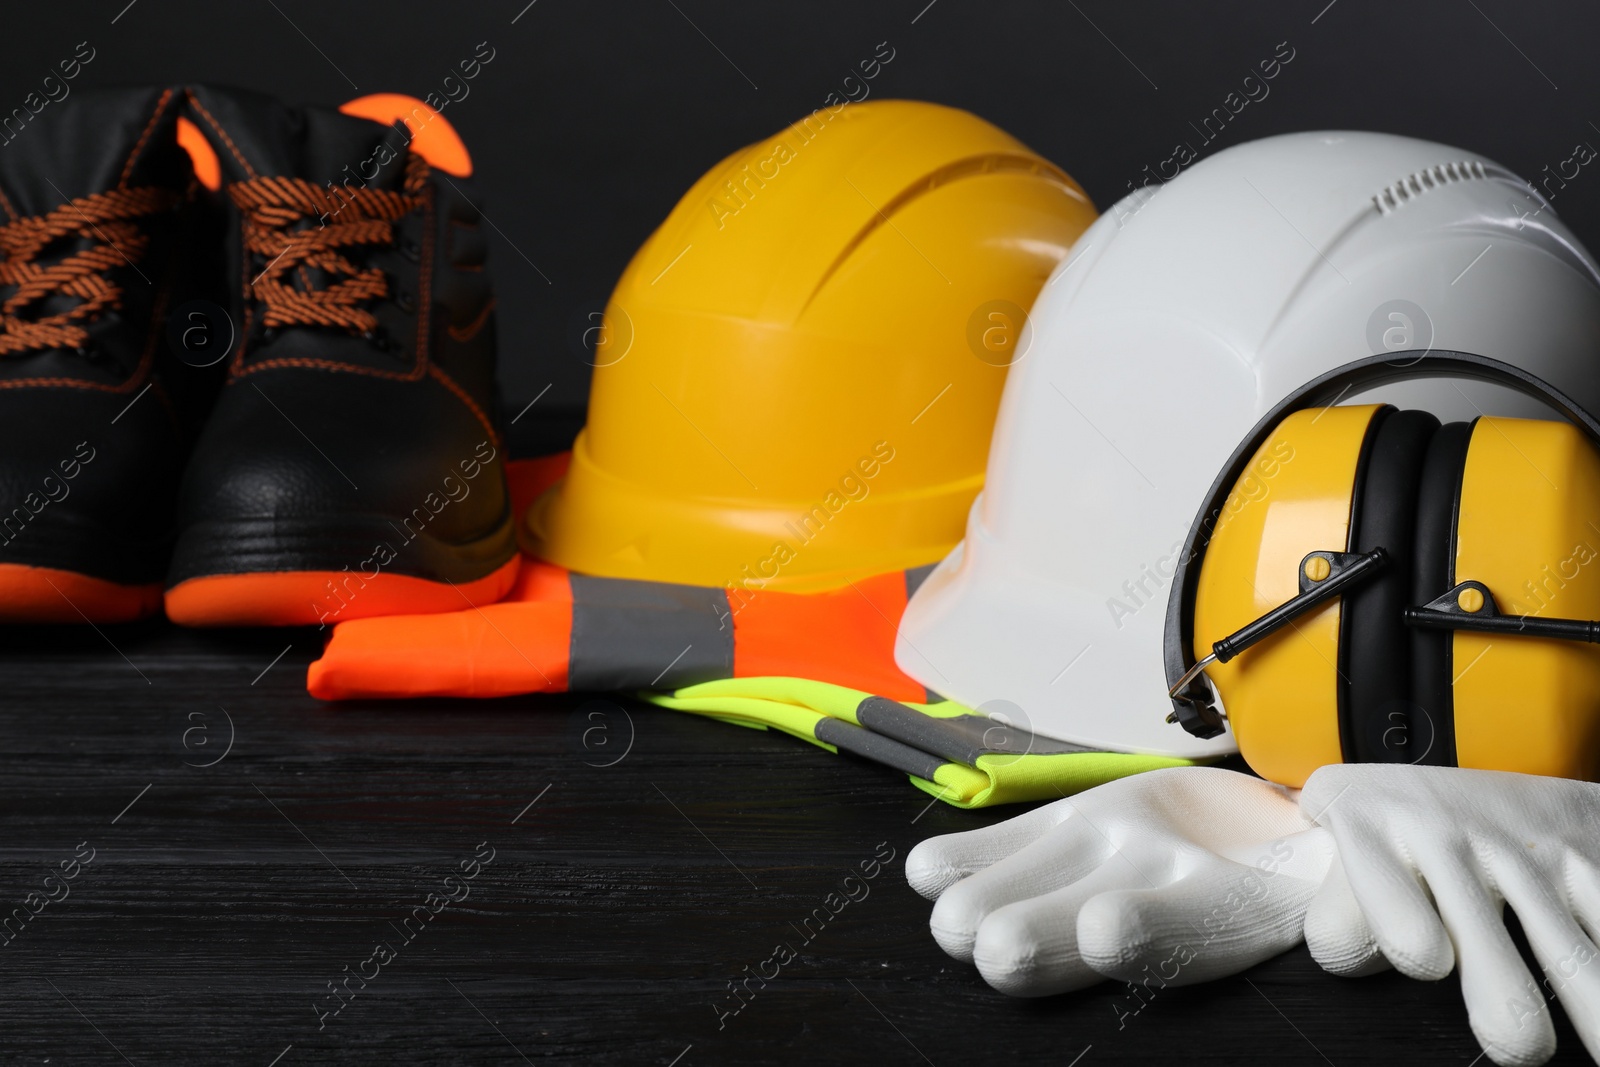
(52, 595)
(313, 598)
(307, 572)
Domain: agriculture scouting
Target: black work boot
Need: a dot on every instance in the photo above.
(352, 465)
(98, 239)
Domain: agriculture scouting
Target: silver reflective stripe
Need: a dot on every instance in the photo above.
(848, 737)
(630, 634)
(961, 739)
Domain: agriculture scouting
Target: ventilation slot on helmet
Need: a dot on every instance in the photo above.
(1414, 185)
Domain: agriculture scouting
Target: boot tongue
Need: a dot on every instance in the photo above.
(348, 153)
(86, 143)
(90, 142)
(351, 151)
(257, 136)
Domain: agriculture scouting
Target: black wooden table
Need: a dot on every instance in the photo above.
(244, 875)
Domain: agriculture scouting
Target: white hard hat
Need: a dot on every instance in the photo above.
(1175, 324)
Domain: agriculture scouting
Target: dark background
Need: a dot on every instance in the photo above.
(595, 116)
(223, 898)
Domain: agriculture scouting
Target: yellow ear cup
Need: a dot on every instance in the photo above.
(1528, 527)
(1281, 696)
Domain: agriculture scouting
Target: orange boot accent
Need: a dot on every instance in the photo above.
(433, 138)
(45, 594)
(207, 168)
(313, 598)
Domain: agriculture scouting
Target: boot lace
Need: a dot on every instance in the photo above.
(107, 221)
(293, 224)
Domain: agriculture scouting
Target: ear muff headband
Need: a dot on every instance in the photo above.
(1198, 716)
(1375, 702)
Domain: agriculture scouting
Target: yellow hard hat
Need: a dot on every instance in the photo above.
(797, 375)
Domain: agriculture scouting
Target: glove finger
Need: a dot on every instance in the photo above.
(1221, 918)
(1060, 857)
(1565, 951)
(1583, 889)
(940, 862)
(1504, 1005)
(1337, 933)
(1394, 902)
(1030, 948)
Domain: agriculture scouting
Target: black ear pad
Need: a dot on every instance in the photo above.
(1433, 727)
(1375, 687)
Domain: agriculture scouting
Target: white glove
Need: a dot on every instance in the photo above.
(1174, 876)
(1432, 854)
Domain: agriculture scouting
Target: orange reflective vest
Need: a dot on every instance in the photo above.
(557, 631)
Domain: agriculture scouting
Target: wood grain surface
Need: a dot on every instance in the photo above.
(641, 862)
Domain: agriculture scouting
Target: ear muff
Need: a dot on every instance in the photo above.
(1506, 517)
(1375, 654)
(1339, 686)
(1296, 495)
(1528, 528)
(1432, 727)
(1350, 681)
